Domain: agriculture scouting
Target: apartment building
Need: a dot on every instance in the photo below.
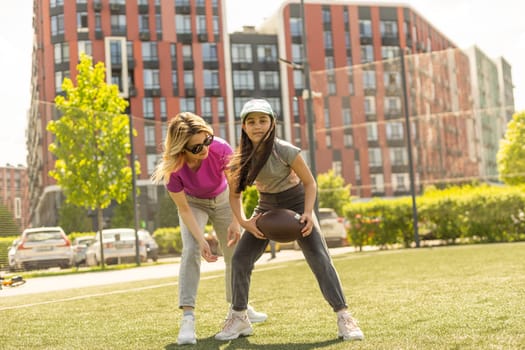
(14, 193)
(173, 55)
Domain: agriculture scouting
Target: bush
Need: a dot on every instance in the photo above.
(169, 240)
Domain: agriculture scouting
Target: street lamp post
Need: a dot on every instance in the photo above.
(409, 147)
(134, 189)
(309, 103)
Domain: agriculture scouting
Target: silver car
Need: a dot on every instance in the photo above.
(119, 247)
(332, 227)
(41, 247)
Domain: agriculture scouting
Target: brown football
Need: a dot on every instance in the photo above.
(280, 225)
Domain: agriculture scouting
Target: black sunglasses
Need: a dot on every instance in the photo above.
(196, 149)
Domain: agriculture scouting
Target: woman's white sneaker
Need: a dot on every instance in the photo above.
(187, 331)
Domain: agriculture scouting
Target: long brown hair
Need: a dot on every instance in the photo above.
(180, 130)
(248, 160)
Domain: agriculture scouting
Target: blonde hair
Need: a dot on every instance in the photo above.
(180, 130)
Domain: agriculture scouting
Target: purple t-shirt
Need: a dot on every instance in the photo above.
(209, 181)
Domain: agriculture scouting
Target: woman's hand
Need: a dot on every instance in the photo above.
(309, 224)
(206, 251)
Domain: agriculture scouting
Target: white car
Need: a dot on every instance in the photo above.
(41, 247)
(332, 227)
(119, 247)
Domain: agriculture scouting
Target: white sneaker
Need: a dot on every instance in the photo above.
(254, 316)
(187, 331)
(236, 324)
(348, 328)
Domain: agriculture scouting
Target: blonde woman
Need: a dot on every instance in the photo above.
(192, 168)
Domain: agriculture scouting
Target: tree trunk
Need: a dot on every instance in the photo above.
(100, 219)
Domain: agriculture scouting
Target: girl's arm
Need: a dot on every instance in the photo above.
(310, 192)
(187, 216)
(238, 213)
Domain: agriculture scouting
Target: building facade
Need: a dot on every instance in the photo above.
(14, 194)
(173, 55)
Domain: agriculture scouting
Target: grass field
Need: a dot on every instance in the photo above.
(461, 297)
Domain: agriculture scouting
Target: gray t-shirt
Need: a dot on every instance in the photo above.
(277, 175)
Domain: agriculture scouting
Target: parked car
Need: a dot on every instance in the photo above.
(119, 246)
(152, 248)
(41, 247)
(80, 246)
(333, 228)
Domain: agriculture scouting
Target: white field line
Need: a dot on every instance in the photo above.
(122, 291)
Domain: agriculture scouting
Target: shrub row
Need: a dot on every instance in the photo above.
(474, 214)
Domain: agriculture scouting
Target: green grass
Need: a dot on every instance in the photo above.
(462, 297)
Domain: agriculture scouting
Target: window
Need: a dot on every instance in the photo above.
(241, 53)
(327, 18)
(187, 104)
(398, 156)
(215, 21)
(206, 107)
(337, 167)
(367, 53)
(371, 131)
(357, 169)
(151, 79)
(392, 79)
(243, 80)
(189, 81)
(394, 131)
(365, 28)
(18, 208)
(57, 24)
(183, 24)
(389, 52)
(149, 135)
(149, 51)
(370, 105)
(61, 53)
(347, 117)
(163, 111)
(82, 22)
(392, 104)
(377, 183)
(59, 78)
(328, 42)
(174, 79)
(388, 29)
(400, 182)
(267, 53)
(84, 46)
(147, 108)
(374, 157)
(143, 23)
(369, 79)
(269, 80)
(297, 53)
(296, 26)
(158, 24)
(298, 80)
(209, 52)
(118, 23)
(201, 24)
(211, 79)
(187, 54)
(152, 162)
(348, 139)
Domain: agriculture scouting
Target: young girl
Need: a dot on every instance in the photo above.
(283, 181)
(192, 167)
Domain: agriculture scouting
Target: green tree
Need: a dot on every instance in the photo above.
(123, 214)
(91, 141)
(250, 197)
(511, 153)
(74, 219)
(332, 191)
(167, 215)
(8, 226)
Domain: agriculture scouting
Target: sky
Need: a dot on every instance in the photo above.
(496, 27)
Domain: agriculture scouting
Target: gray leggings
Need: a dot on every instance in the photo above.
(249, 249)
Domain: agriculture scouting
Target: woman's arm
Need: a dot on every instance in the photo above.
(187, 216)
(310, 192)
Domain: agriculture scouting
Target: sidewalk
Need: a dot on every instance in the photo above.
(164, 270)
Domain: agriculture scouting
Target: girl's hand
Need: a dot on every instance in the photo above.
(309, 224)
(250, 226)
(234, 234)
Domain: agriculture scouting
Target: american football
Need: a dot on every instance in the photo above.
(280, 225)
